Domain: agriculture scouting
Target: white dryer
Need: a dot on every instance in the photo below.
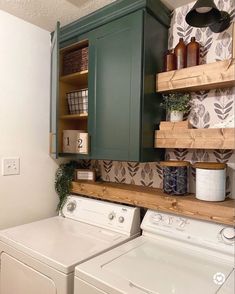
(173, 256)
(40, 257)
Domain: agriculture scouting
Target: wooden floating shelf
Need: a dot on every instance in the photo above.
(78, 78)
(196, 138)
(218, 74)
(74, 116)
(151, 198)
(74, 155)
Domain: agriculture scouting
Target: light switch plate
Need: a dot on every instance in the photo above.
(10, 166)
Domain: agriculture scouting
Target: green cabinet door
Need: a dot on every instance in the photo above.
(54, 92)
(115, 74)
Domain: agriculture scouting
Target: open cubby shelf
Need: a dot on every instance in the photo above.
(78, 78)
(69, 83)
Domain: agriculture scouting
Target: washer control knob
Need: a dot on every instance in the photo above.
(157, 217)
(121, 219)
(228, 234)
(111, 216)
(71, 206)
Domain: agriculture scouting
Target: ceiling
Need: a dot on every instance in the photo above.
(45, 13)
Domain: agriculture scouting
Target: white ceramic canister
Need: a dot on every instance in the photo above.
(210, 181)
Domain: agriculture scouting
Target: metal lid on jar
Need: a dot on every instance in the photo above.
(174, 163)
(210, 165)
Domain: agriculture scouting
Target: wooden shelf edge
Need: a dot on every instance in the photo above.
(155, 199)
(214, 75)
(74, 116)
(74, 155)
(196, 138)
(73, 75)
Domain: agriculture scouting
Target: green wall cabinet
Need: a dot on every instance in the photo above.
(115, 88)
(127, 40)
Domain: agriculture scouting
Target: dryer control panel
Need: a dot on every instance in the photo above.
(116, 217)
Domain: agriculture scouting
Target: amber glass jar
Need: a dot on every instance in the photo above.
(193, 53)
(181, 54)
(169, 61)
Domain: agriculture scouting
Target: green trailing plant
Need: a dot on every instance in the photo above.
(63, 179)
(177, 102)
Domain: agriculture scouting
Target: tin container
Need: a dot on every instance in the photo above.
(175, 177)
(75, 141)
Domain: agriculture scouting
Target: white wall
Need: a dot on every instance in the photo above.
(24, 122)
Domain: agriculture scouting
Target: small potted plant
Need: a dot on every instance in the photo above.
(176, 104)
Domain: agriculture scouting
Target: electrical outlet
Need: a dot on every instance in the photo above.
(10, 166)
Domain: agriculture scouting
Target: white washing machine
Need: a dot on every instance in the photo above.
(173, 256)
(40, 257)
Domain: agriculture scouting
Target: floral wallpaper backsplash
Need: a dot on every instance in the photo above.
(209, 108)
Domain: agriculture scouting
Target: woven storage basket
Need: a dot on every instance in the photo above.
(75, 61)
(78, 101)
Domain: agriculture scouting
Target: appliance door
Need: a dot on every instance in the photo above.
(17, 277)
(156, 268)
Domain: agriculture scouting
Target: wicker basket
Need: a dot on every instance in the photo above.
(78, 101)
(75, 61)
